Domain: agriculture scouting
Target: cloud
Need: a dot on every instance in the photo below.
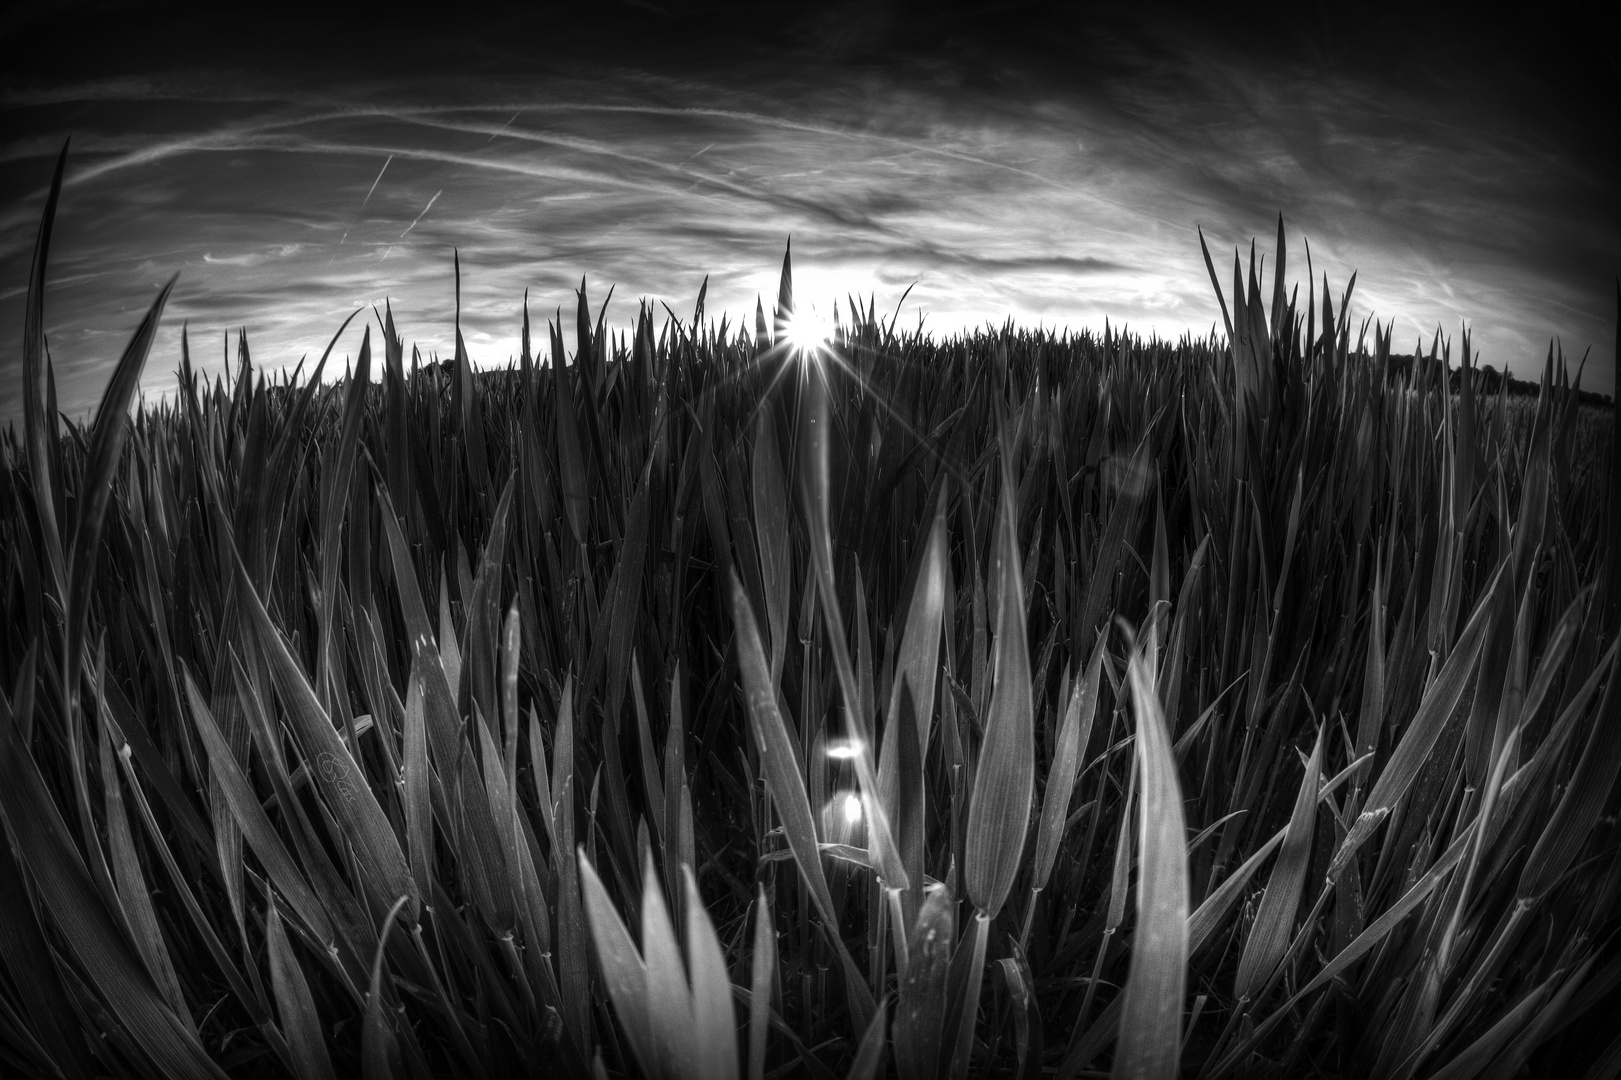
(1011, 196)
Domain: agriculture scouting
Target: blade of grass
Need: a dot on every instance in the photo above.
(347, 794)
(1073, 736)
(133, 893)
(1422, 732)
(714, 1020)
(787, 789)
(624, 975)
(299, 1018)
(762, 975)
(40, 838)
(1274, 921)
(920, 1006)
(1004, 782)
(380, 1045)
(1152, 1000)
(869, 1057)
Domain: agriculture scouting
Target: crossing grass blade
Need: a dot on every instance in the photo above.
(869, 1057)
(255, 824)
(347, 794)
(1274, 922)
(1419, 736)
(381, 1057)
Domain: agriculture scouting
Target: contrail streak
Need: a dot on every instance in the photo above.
(504, 126)
(425, 209)
(374, 183)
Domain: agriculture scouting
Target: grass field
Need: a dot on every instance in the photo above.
(710, 706)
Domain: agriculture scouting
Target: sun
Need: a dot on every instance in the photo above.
(808, 331)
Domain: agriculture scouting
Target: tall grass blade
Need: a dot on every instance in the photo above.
(39, 411)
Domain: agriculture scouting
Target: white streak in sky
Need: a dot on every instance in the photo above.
(504, 126)
(425, 209)
(374, 183)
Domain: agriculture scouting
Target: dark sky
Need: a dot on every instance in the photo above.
(1043, 161)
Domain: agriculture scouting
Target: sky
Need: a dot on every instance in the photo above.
(1049, 163)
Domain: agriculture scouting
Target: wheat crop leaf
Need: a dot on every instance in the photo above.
(300, 1021)
(999, 809)
(787, 787)
(1274, 921)
(133, 893)
(1159, 954)
(762, 972)
(94, 936)
(714, 1019)
(256, 825)
(347, 793)
(624, 975)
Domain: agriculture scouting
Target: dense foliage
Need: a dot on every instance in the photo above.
(705, 706)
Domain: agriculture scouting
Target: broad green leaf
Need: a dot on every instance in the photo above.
(624, 975)
(670, 1019)
(1152, 1001)
(920, 1007)
(1004, 783)
(762, 976)
(714, 1019)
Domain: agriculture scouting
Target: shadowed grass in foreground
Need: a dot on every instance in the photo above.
(710, 707)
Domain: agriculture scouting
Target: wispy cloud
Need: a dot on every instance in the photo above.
(1052, 207)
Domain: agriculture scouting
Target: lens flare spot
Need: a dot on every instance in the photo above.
(843, 751)
(852, 809)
